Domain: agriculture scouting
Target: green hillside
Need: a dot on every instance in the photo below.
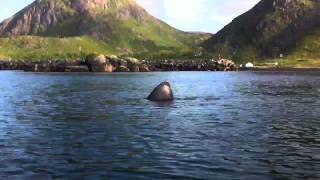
(74, 28)
(41, 48)
(271, 29)
(305, 54)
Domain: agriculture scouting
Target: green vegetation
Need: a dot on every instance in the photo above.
(71, 48)
(271, 29)
(43, 48)
(123, 28)
(305, 55)
(109, 34)
(308, 47)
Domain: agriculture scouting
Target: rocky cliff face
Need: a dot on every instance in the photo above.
(270, 28)
(121, 25)
(42, 15)
(35, 18)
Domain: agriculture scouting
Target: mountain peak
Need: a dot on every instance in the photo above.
(122, 26)
(41, 15)
(83, 5)
(89, 3)
(270, 28)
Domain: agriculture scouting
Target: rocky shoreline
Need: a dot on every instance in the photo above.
(106, 63)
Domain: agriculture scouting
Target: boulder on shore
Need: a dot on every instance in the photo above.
(162, 92)
(98, 63)
(144, 68)
(122, 69)
(133, 64)
(76, 69)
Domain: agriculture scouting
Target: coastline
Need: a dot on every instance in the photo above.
(132, 65)
(104, 63)
(281, 69)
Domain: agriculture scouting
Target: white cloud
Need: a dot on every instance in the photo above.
(230, 9)
(183, 10)
(198, 15)
(235, 7)
(184, 14)
(221, 19)
(154, 7)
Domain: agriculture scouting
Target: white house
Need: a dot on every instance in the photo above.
(249, 65)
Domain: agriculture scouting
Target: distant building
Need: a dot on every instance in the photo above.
(249, 65)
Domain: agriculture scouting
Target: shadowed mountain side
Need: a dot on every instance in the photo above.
(271, 28)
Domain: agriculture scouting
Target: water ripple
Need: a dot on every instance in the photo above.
(223, 125)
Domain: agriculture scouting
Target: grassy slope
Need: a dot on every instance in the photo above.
(39, 48)
(149, 41)
(305, 55)
(111, 35)
(128, 37)
(35, 47)
(247, 47)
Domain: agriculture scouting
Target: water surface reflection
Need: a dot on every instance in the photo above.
(223, 125)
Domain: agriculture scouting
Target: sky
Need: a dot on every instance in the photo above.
(187, 15)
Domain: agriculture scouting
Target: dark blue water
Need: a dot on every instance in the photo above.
(237, 125)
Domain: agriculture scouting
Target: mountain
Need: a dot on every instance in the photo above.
(271, 28)
(58, 27)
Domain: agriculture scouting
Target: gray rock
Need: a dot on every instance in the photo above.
(134, 68)
(76, 69)
(122, 69)
(99, 63)
(162, 92)
(133, 64)
(144, 68)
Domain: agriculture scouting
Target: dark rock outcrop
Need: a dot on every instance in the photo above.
(44, 66)
(80, 68)
(122, 69)
(133, 64)
(144, 68)
(161, 93)
(193, 65)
